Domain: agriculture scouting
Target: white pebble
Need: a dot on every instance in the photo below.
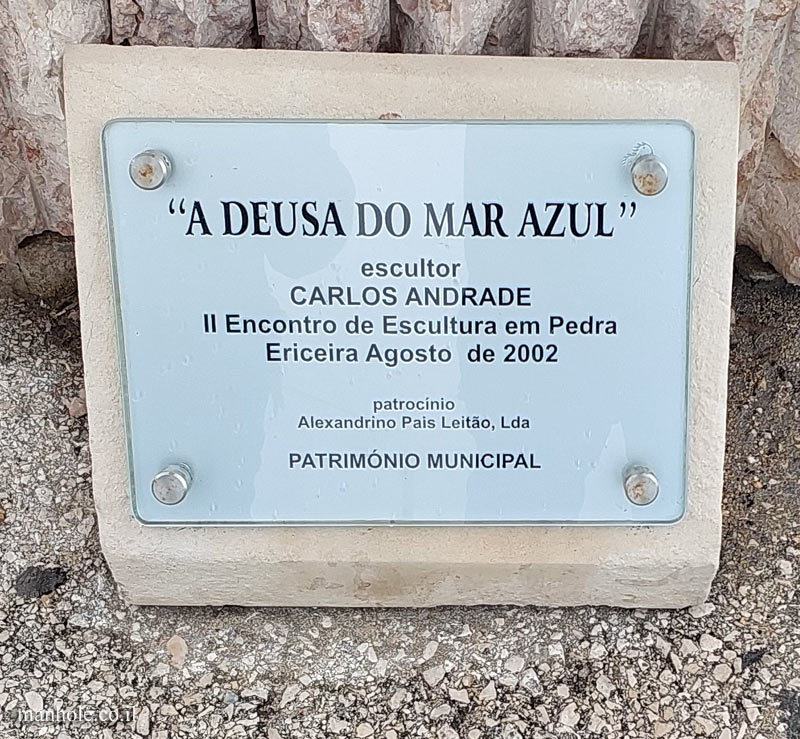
(570, 716)
(34, 701)
(489, 693)
(430, 650)
(722, 672)
(434, 675)
(709, 643)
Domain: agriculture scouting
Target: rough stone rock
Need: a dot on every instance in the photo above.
(608, 28)
(34, 179)
(323, 25)
(448, 26)
(751, 34)
(785, 120)
(510, 30)
(183, 22)
(771, 220)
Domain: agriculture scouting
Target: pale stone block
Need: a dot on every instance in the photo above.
(648, 566)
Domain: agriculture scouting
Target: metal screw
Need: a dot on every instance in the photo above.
(171, 485)
(150, 169)
(641, 485)
(649, 174)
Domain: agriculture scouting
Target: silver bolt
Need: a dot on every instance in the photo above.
(150, 169)
(641, 485)
(171, 485)
(649, 174)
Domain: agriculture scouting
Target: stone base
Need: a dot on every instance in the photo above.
(658, 566)
(423, 567)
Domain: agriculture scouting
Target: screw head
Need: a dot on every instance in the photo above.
(171, 485)
(641, 485)
(649, 175)
(150, 169)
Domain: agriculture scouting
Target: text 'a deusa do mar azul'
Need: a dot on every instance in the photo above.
(310, 218)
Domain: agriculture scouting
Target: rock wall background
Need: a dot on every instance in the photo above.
(762, 36)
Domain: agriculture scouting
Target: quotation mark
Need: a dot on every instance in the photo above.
(181, 206)
(627, 206)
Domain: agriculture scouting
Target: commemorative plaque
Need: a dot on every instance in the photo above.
(374, 344)
(394, 322)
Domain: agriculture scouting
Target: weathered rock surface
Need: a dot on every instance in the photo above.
(323, 25)
(34, 178)
(608, 28)
(751, 34)
(761, 36)
(785, 120)
(771, 219)
(510, 30)
(183, 22)
(449, 26)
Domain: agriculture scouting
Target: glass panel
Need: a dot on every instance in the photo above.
(397, 322)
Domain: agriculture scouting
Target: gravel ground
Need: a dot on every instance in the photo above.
(78, 662)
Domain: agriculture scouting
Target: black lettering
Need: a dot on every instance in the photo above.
(573, 226)
(601, 210)
(493, 212)
(530, 219)
(226, 211)
(309, 216)
(470, 220)
(554, 219)
(430, 219)
(198, 217)
(276, 209)
(332, 219)
(260, 212)
(390, 227)
(376, 214)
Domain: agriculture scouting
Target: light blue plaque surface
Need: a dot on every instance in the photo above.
(246, 356)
